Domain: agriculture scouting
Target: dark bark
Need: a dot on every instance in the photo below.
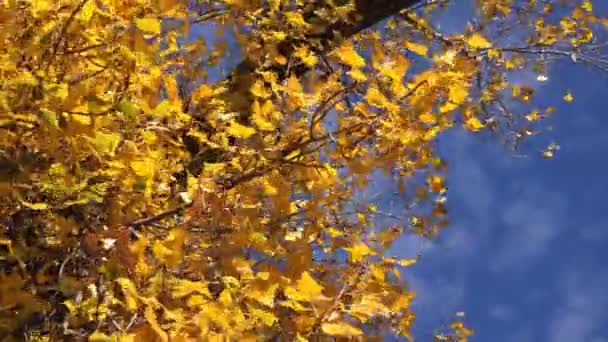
(238, 98)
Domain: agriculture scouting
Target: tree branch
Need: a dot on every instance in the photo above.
(367, 13)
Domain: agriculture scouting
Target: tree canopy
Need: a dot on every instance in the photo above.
(191, 170)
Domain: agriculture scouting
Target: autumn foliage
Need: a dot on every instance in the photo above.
(191, 170)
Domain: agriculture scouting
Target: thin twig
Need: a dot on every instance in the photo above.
(131, 322)
(427, 3)
(63, 32)
(151, 219)
(63, 264)
(347, 287)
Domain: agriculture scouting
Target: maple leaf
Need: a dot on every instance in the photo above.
(308, 286)
(375, 97)
(473, 124)
(240, 131)
(341, 329)
(106, 143)
(359, 251)
(417, 48)
(477, 41)
(150, 25)
(349, 56)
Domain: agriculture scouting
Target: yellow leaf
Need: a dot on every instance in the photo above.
(308, 286)
(280, 59)
(262, 295)
(27, 78)
(407, 262)
(295, 90)
(100, 337)
(587, 6)
(341, 329)
(240, 131)
(129, 109)
(427, 118)
(266, 317)
(39, 5)
(260, 114)
(143, 168)
(35, 206)
(349, 56)
(259, 90)
(533, 116)
(279, 35)
(359, 251)
(368, 307)
(150, 316)
(202, 92)
(375, 97)
(477, 41)
(149, 25)
(123, 337)
(170, 250)
(473, 124)
(549, 152)
(275, 5)
(568, 97)
(403, 301)
(458, 93)
(87, 11)
(183, 287)
(129, 291)
(171, 86)
(163, 109)
(462, 332)
(417, 48)
(357, 75)
(225, 297)
(58, 90)
(436, 184)
(106, 143)
(214, 168)
(296, 19)
(306, 56)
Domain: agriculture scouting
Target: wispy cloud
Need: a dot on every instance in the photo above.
(583, 308)
(522, 335)
(595, 233)
(501, 312)
(532, 222)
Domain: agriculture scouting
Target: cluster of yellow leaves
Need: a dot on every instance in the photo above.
(108, 114)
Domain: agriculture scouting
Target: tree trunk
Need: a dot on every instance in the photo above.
(238, 98)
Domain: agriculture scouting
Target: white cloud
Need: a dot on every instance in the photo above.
(570, 326)
(532, 222)
(501, 312)
(583, 307)
(522, 335)
(411, 246)
(597, 233)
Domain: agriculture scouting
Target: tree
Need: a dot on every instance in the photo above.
(140, 199)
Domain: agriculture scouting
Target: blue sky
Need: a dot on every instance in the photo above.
(524, 254)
